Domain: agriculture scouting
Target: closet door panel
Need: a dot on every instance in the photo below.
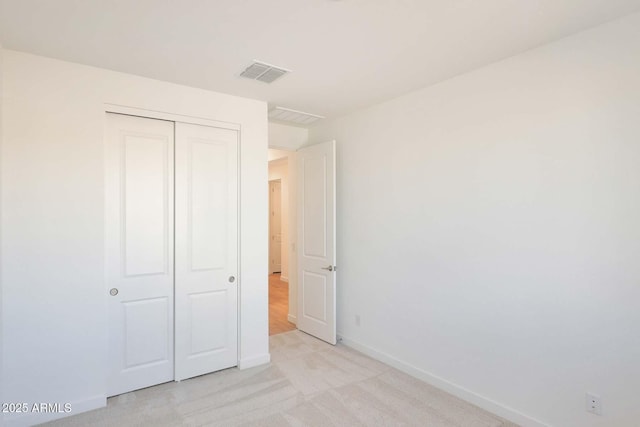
(145, 204)
(139, 251)
(209, 210)
(206, 249)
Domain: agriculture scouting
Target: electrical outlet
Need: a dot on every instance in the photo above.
(357, 320)
(593, 404)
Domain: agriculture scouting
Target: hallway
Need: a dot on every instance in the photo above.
(278, 306)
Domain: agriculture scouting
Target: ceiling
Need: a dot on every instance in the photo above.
(343, 54)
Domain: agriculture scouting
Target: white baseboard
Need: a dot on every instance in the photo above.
(284, 278)
(250, 362)
(293, 319)
(454, 389)
(77, 407)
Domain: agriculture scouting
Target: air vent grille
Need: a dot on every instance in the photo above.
(293, 116)
(263, 72)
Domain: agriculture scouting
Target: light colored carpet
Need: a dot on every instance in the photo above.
(308, 383)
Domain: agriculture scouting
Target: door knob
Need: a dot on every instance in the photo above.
(113, 292)
(232, 279)
(330, 268)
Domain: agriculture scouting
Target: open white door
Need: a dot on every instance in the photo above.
(139, 252)
(317, 240)
(206, 288)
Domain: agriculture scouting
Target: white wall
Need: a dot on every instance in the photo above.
(54, 292)
(488, 232)
(275, 154)
(286, 137)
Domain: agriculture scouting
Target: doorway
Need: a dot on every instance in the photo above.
(280, 216)
(275, 226)
(308, 241)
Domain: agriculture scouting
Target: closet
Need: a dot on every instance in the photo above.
(171, 250)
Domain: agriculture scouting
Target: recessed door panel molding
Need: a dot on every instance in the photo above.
(139, 256)
(314, 288)
(209, 322)
(208, 198)
(145, 205)
(206, 249)
(316, 241)
(314, 200)
(147, 327)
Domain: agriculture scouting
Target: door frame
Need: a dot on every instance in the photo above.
(161, 115)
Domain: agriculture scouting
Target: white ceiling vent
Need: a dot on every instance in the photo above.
(263, 72)
(298, 117)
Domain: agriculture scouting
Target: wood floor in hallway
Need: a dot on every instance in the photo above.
(278, 306)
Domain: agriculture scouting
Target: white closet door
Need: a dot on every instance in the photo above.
(139, 252)
(206, 250)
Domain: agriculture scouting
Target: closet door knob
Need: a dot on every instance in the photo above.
(113, 292)
(232, 279)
